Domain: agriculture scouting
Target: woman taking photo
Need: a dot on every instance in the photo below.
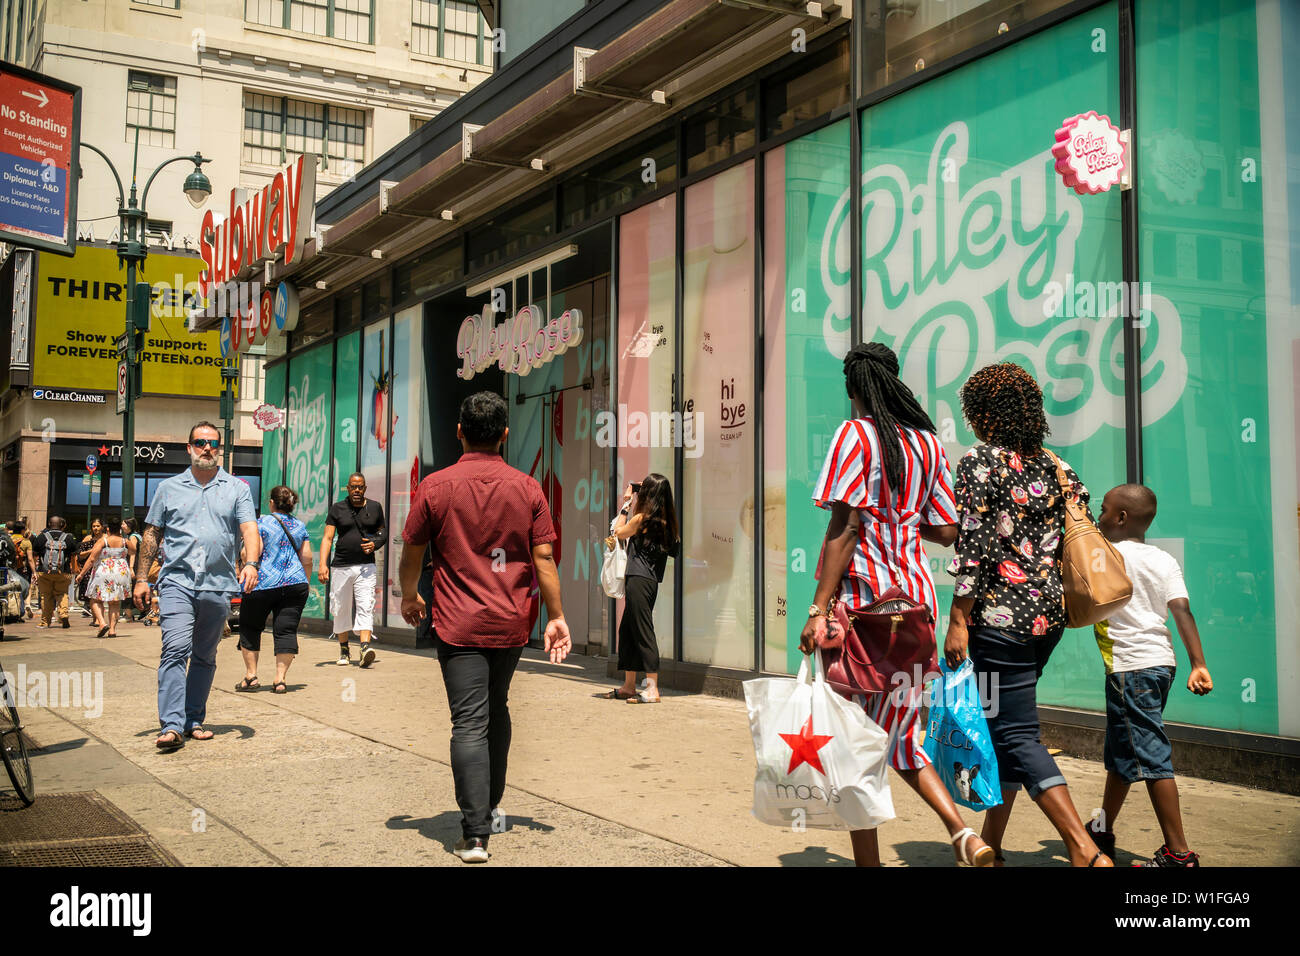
(648, 523)
(873, 543)
(108, 569)
(1008, 608)
(281, 590)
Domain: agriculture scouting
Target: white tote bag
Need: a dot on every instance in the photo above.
(613, 573)
(822, 762)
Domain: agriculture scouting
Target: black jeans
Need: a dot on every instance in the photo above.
(478, 683)
(1007, 667)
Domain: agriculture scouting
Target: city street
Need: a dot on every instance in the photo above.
(351, 768)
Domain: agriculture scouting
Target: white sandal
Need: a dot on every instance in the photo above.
(982, 857)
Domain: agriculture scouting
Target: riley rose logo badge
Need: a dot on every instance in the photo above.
(1091, 154)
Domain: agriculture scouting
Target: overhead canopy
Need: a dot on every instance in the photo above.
(682, 37)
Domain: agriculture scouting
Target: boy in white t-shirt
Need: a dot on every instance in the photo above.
(1138, 652)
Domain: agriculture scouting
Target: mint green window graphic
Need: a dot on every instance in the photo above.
(1209, 454)
(806, 318)
(308, 471)
(273, 441)
(974, 251)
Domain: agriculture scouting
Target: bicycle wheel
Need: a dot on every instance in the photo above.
(13, 746)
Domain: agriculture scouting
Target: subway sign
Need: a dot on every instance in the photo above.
(258, 227)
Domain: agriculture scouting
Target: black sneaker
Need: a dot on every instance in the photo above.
(472, 849)
(1166, 857)
(367, 655)
(1105, 839)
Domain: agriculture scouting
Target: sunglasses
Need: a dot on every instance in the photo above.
(206, 443)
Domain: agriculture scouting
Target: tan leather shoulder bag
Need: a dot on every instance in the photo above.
(1092, 570)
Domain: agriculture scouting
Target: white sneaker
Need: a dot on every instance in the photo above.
(345, 658)
(367, 656)
(472, 850)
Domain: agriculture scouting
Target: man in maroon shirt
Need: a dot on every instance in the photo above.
(488, 529)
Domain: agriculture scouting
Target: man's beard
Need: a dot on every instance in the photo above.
(200, 464)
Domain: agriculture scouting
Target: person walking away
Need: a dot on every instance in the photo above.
(1008, 607)
(648, 522)
(359, 525)
(281, 592)
(53, 549)
(488, 529)
(110, 581)
(130, 529)
(199, 518)
(1138, 652)
(873, 542)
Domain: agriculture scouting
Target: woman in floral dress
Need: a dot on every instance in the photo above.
(110, 583)
(1008, 603)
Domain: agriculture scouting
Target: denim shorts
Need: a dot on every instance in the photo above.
(1137, 747)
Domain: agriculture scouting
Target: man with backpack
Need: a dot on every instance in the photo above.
(53, 549)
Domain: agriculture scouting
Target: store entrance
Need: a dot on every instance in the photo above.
(553, 428)
(552, 439)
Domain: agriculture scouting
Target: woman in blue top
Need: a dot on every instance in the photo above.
(281, 592)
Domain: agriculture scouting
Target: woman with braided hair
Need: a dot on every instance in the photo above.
(1008, 603)
(887, 485)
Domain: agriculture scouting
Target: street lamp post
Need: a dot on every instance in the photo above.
(133, 248)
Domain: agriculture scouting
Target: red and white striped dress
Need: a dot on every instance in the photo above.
(890, 551)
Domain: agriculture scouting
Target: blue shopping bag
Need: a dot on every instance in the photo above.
(957, 739)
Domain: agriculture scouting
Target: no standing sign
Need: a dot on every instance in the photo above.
(40, 121)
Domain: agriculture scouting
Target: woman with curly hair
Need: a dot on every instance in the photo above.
(1008, 607)
(887, 485)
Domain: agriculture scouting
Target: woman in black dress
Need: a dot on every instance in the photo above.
(648, 522)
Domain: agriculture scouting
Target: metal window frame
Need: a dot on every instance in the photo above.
(130, 74)
(286, 17)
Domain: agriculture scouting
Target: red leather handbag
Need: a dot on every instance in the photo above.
(892, 634)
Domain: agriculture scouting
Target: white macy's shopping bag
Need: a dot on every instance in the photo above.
(822, 762)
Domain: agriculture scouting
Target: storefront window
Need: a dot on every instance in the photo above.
(378, 418)
(642, 426)
(900, 40)
(308, 468)
(315, 323)
(723, 129)
(430, 270)
(513, 233)
(974, 251)
(272, 441)
(649, 165)
(1220, 351)
(806, 317)
(812, 89)
(717, 500)
(409, 425)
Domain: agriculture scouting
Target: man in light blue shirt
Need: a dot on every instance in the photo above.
(200, 517)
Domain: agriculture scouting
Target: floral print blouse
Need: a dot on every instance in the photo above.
(1010, 521)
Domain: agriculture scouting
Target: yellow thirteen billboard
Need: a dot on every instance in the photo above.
(81, 311)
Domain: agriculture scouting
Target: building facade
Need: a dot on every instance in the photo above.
(246, 83)
(673, 183)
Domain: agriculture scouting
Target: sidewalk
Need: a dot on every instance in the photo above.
(351, 767)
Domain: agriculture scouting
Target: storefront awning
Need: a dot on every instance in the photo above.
(683, 35)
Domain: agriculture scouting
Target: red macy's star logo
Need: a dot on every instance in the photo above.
(804, 746)
(103, 450)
